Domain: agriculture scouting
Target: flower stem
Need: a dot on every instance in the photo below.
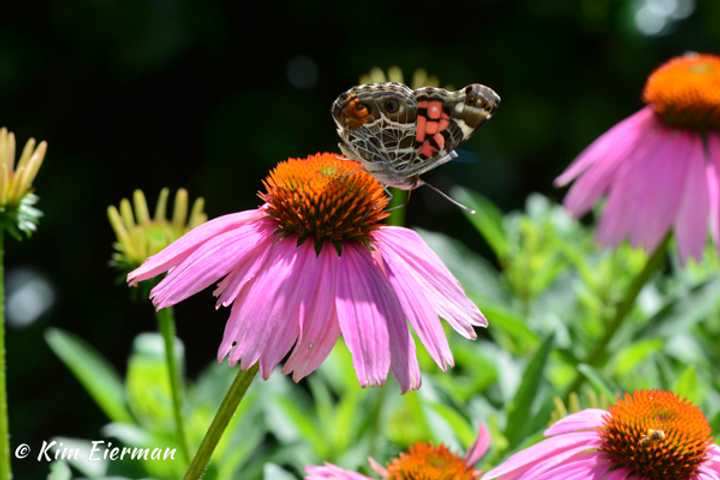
(223, 416)
(5, 470)
(599, 352)
(166, 324)
(398, 203)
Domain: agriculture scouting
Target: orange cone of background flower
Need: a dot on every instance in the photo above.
(660, 168)
(422, 461)
(312, 263)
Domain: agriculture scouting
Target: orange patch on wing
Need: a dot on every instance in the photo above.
(420, 129)
(435, 109)
(427, 149)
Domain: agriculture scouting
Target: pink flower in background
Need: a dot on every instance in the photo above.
(312, 263)
(660, 167)
(648, 435)
(421, 461)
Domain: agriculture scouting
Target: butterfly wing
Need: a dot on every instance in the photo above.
(376, 125)
(445, 119)
(399, 134)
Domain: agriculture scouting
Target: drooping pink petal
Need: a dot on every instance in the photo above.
(617, 216)
(403, 358)
(713, 185)
(181, 248)
(261, 310)
(663, 179)
(244, 271)
(319, 329)
(236, 283)
(289, 310)
(619, 138)
(208, 263)
(479, 448)
(438, 285)
(332, 472)
(713, 178)
(363, 314)
(419, 310)
(605, 155)
(588, 419)
(693, 218)
(645, 197)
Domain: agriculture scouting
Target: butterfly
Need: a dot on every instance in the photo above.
(398, 133)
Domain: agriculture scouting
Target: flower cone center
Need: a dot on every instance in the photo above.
(656, 435)
(427, 462)
(326, 198)
(685, 92)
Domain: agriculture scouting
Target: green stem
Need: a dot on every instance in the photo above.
(398, 205)
(223, 416)
(5, 470)
(598, 354)
(166, 324)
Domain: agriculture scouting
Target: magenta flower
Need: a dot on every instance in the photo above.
(647, 435)
(660, 167)
(313, 263)
(421, 461)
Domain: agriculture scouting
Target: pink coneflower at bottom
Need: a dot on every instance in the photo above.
(422, 461)
(315, 262)
(647, 435)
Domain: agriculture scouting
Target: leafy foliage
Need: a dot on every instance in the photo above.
(548, 294)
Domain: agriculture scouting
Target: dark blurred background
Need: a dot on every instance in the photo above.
(209, 95)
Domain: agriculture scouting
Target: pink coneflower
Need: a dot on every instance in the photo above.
(647, 435)
(312, 263)
(659, 167)
(422, 461)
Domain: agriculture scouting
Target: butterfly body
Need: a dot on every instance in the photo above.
(398, 133)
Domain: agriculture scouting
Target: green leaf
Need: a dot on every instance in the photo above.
(408, 424)
(596, 380)
(512, 325)
(243, 446)
(682, 313)
(487, 219)
(457, 423)
(687, 385)
(346, 414)
(94, 373)
(630, 357)
(305, 425)
(322, 402)
(272, 471)
(520, 407)
(147, 384)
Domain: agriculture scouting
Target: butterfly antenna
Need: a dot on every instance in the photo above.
(447, 197)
